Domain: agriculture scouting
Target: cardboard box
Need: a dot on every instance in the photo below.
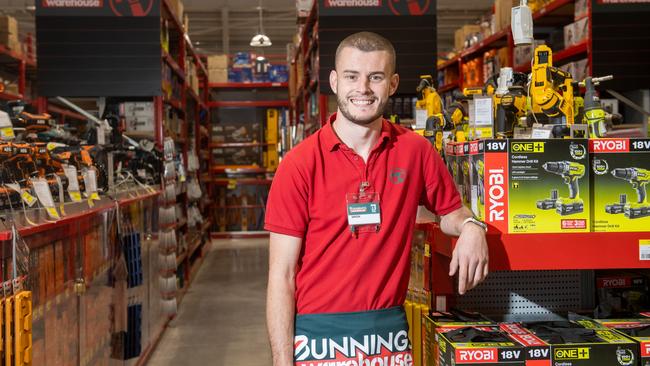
(519, 185)
(637, 329)
(217, 62)
(580, 9)
(621, 293)
(9, 32)
(465, 172)
(523, 55)
(461, 34)
(619, 167)
(585, 343)
(303, 7)
(502, 13)
(477, 182)
(218, 75)
(576, 32)
(435, 320)
(478, 345)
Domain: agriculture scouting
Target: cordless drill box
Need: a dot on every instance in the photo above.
(435, 320)
(585, 343)
(466, 171)
(621, 173)
(476, 175)
(536, 186)
(636, 328)
(622, 292)
(548, 186)
(478, 345)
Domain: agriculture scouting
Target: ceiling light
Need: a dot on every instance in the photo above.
(260, 58)
(261, 39)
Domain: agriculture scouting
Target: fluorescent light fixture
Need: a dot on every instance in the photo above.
(260, 58)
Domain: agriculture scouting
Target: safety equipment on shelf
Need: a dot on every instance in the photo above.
(639, 178)
(569, 171)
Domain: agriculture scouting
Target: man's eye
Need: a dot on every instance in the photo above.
(376, 78)
(350, 77)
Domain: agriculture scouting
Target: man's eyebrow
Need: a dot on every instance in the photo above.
(350, 72)
(377, 73)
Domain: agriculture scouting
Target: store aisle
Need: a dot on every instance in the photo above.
(221, 320)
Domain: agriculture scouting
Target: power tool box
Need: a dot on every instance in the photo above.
(637, 329)
(621, 172)
(537, 186)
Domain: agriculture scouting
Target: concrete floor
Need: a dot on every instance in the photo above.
(221, 320)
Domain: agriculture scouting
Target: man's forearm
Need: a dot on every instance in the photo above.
(451, 224)
(280, 313)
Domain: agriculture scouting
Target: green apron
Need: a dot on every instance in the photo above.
(370, 338)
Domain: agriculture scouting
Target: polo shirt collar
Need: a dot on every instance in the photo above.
(332, 141)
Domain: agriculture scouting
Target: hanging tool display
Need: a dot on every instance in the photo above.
(551, 93)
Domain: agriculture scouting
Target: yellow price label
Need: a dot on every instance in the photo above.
(427, 250)
(183, 179)
(95, 196)
(28, 198)
(52, 212)
(232, 183)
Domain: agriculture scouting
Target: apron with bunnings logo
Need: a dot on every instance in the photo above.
(369, 338)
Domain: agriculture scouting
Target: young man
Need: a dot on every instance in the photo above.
(341, 213)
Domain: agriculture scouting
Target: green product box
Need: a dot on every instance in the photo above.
(638, 329)
(585, 343)
(620, 174)
(548, 186)
(478, 345)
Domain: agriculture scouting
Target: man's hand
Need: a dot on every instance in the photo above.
(470, 258)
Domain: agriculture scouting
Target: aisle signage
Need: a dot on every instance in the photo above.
(376, 7)
(117, 8)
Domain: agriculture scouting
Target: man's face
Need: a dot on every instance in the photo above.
(363, 82)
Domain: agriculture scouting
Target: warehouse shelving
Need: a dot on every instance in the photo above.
(553, 14)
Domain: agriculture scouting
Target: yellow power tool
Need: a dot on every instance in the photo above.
(639, 178)
(570, 171)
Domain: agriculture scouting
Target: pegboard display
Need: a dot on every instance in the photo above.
(531, 295)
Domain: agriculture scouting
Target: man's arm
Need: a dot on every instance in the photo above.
(470, 256)
(280, 301)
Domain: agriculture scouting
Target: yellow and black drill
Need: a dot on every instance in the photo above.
(570, 171)
(639, 178)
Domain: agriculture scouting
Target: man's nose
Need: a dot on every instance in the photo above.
(364, 86)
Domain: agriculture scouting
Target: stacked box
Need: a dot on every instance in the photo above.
(476, 178)
(622, 292)
(585, 343)
(462, 33)
(435, 320)
(478, 345)
(576, 32)
(638, 329)
(548, 188)
(621, 172)
(502, 13)
(9, 33)
(218, 68)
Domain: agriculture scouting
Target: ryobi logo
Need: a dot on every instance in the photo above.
(476, 356)
(496, 194)
(613, 145)
(645, 349)
(581, 353)
(529, 147)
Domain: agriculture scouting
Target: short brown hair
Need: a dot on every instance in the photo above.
(368, 42)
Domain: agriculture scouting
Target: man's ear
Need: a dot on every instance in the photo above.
(333, 80)
(394, 82)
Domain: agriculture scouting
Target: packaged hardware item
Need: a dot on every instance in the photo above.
(621, 173)
(636, 328)
(452, 320)
(478, 345)
(622, 293)
(554, 172)
(584, 343)
(477, 181)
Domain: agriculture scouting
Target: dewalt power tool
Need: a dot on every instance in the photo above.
(510, 101)
(570, 172)
(428, 98)
(639, 178)
(551, 92)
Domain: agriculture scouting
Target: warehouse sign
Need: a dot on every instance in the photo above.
(73, 3)
(111, 8)
(376, 7)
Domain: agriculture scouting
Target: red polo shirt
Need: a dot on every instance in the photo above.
(337, 270)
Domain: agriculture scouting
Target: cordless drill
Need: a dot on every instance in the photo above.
(570, 172)
(639, 178)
